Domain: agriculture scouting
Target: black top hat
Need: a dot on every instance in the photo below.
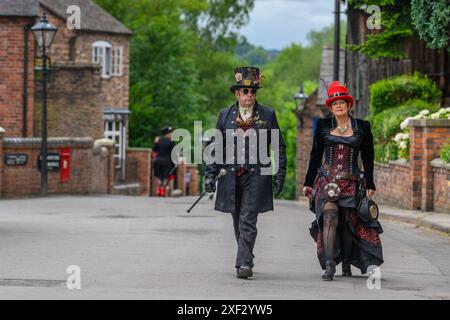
(246, 77)
(166, 130)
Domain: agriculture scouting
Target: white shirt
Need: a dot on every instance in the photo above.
(245, 112)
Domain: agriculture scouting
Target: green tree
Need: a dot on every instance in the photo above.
(431, 19)
(254, 55)
(218, 24)
(170, 79)
(396, 28)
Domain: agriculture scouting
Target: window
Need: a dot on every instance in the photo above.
(108, 57)
(115, 128)
(116, 131)
(117, 54)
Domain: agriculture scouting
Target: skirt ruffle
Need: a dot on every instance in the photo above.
(366, 247)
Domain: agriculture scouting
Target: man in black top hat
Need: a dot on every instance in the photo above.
(163, 164)
(246, 189)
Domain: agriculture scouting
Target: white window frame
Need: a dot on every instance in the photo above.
(100, 50)
(110, 58)
(117, 133)
(116, 61)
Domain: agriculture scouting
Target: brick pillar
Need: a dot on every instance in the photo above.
(426, 138)
(416, 147)
(193, 184)
(304, 145)
(181, 170)
(109, 145)
(2, 133)
(145, 178)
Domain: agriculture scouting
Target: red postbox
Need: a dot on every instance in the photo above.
(64, 164)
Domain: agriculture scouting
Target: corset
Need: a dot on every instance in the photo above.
(342, 152)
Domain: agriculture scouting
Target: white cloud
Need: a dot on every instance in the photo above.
(275, 24)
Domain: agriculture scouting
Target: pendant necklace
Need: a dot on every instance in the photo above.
(342, 130)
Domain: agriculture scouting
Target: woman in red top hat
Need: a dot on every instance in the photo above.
(336, 187)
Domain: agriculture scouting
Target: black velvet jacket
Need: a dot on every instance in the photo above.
(366, 149)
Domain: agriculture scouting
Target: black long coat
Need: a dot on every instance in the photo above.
(261, 194)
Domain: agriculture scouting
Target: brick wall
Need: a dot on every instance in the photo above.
(60, 49)
(12, 76)
(73, 102)
(426, 138)
(88, 172)
(19, 181)
(441, 192)
(115, 90)
(393, 183)
(417, 184)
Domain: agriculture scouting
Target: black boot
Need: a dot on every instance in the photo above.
(346, 269)
(244, 272)
(329, 271)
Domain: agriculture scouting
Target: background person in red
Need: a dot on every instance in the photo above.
(163, 164)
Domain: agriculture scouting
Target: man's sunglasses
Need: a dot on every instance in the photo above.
(246, 91)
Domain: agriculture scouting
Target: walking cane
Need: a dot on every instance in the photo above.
(222, 172)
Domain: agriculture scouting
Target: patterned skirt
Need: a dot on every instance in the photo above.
(366, 249)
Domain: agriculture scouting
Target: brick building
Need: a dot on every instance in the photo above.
(88, 100)
(88, 89)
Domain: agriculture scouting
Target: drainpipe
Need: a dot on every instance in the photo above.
(337, 33)
(25, 80)
(443, 73)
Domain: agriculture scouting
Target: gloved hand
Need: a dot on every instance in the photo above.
(278, 186)
(307, 191)
(210, 185)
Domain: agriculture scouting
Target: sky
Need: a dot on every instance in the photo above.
(276, 24)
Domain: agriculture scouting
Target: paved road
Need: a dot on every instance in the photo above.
(150, 248)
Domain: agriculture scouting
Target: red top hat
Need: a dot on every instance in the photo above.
(338, 91)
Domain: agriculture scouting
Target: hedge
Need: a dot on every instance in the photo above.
(386, 125)
(444, 153)
(392, 92)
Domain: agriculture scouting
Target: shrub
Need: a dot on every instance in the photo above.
(402, 142)
(444, 153)
(392, 92)
(386, 126)
(387, 123)
(385, 152)
(443, 113)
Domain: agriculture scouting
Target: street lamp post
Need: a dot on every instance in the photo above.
(44, 32)
(300, 100)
